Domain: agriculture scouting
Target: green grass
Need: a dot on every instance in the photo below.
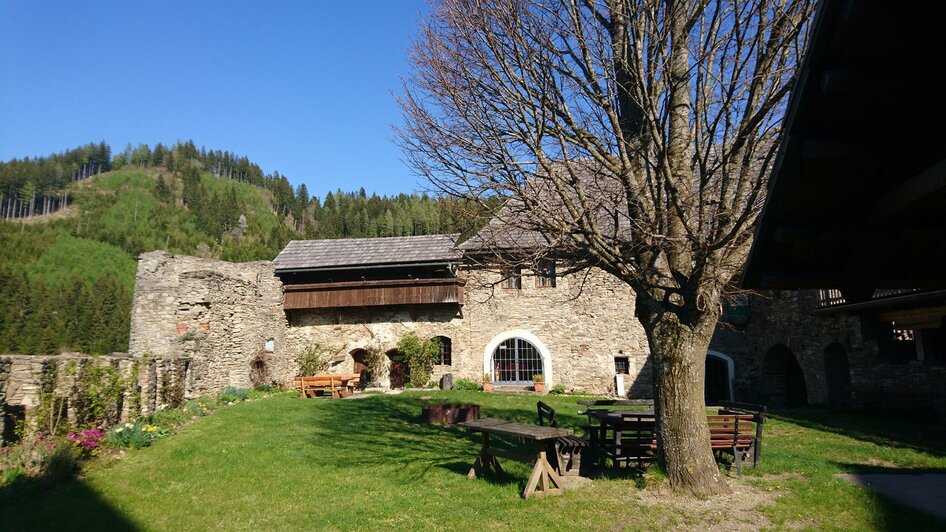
(285, 462)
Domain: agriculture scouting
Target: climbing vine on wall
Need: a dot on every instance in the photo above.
(420, 355)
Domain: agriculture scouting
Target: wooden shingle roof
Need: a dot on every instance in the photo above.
(386, 251)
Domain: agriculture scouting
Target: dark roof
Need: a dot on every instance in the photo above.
(545, 222)
(857, 198)
(387, 251)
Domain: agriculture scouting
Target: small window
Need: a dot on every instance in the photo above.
(445, 356)
(512, 278)
(545, 274)
(622, 366)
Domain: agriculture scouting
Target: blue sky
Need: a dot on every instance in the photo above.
(302, 87)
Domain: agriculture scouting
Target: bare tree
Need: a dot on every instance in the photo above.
(633, 136)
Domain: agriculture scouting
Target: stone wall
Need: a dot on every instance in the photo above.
(4, 376)
(585, 321)
(220, 315)
(25, 379)
(784, 319)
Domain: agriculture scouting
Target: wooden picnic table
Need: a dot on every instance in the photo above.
(544, 480)
(623, 435)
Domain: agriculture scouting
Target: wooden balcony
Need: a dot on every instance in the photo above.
(373, 293)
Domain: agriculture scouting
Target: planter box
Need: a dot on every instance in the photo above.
(450, 414)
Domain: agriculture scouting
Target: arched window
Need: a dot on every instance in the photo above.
(445, 356)
(516, 361)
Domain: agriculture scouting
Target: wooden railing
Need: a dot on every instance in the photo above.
(830, 298)
(373, 293)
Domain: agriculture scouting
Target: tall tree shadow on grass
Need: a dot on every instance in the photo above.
(891, 514)
(927, 435)
(46, 503)
(389, 431)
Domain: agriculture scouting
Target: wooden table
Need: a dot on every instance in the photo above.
(544, 480)
(630, 438)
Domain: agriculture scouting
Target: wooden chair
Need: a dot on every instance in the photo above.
(567, 449)
(593, 429)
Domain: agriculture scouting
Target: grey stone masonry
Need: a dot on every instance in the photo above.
(220, 315)
(25, 379)
(4, 377)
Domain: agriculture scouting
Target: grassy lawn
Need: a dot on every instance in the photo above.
(284, 462)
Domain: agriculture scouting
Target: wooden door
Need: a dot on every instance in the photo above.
(399, 371)
(360, 366)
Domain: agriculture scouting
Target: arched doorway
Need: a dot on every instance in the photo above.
(360, 366)
(516, 361)
(399, 372)
(784, 380)
(718, 380)
(837, 373)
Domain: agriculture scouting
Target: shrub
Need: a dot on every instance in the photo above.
(259, 370)
(133, 435)
(466, 385)
(314, 359)
(233, 395)
(266, 388)
(420, 355)
(558, 389)
(202, 406)
(39, 457)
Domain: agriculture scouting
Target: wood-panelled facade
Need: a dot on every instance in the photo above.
(374, 293)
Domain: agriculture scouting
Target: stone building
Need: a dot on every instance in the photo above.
(237, 324)
(349, 297)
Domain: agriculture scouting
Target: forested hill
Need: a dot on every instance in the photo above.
(72, 224)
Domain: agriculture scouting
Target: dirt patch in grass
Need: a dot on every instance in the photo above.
(740, 510)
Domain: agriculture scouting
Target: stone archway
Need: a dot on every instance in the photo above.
(837, 372)
(720, 370)
(784, 380)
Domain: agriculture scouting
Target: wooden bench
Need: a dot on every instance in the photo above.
(734, 434)
(566, 449)
(335, 385)
(758, 418)
(735, 429)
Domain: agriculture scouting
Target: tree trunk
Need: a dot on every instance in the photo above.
(679, 355)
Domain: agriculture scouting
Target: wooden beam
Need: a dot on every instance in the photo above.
(926, 183)
(837, 149)
(846, 80)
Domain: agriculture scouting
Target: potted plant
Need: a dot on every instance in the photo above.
(487, 382)
(538, 382)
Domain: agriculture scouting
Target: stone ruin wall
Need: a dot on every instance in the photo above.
(217, 314)
(149, 383)
(784, 318)
(4, 377)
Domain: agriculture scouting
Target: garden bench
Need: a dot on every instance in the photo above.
(567, 449)
(734, 434)
(758, 419)
(628, 436)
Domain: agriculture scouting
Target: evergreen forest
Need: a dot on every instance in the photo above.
(73, 223)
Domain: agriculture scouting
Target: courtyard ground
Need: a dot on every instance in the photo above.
(285, 462)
